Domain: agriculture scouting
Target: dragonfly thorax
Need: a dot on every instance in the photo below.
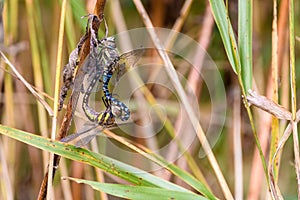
(109, 42)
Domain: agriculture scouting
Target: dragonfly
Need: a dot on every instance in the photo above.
(70, 68)
(76, 83)
(107, 62)
(102, 61)
(116, 63)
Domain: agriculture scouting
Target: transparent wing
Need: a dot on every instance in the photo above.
(128, 59)
(88, 132)
(84, 135)
(85, 75)
(78, 83)
(76, 91)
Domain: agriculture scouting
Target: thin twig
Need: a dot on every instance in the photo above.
(126, 43)
(293, 91)
(28, 85)
(282, 31)
(44, 94)
(174, 33)
(297, 156)
(268, 105)
(56, 96)
(178, 23)
(237, 145)
(275, 192)
(275, 120)
(6, 181)
(194, 79)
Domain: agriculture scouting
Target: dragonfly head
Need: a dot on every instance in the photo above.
(109, 42)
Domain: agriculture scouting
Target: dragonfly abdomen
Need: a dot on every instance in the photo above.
(119, 109)
(105, 118)
(91, 114)
(107, 74)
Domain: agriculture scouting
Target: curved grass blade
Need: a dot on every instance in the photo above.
(112, 166)
(138, 192)
(226, 32)
(245, 42)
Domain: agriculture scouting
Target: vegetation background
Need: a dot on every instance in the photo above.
(30, 42)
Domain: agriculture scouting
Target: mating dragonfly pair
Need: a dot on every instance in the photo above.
(100, 65)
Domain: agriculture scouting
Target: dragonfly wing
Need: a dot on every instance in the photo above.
(86, 139)
(132, 57)
(83, 136)
(78, 81)
(128, 59)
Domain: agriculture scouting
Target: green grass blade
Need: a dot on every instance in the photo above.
(244, 75)
(188, 178)
(245, 41)
(226, 32)
(138, 192)
(185, 176)
(117, 168)
(43, 49)
(79, 11)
